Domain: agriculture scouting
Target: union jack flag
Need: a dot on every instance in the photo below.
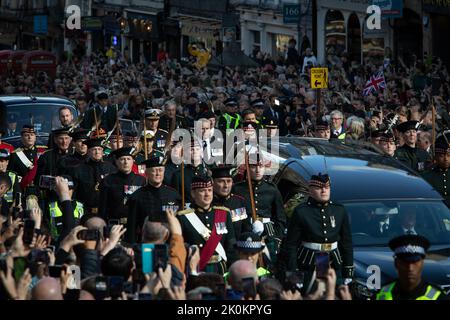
(375, 83)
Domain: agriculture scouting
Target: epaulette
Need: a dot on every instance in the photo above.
(238, 196)
(186, 211)
(221, 208)
(17, 150)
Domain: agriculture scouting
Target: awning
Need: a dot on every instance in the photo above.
(198, 26)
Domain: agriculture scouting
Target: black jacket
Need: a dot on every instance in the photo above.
(108, 119)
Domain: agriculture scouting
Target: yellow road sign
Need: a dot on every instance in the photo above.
(319, 78)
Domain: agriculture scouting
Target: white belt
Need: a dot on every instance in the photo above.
(320, 246)
(264, 220)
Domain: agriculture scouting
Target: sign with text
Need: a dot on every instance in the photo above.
(291, 13)
(390, 9)
(319, 78)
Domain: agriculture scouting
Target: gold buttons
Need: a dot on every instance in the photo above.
(208, 225)
(326, 239)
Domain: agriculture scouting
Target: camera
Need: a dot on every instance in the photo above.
(28, 231)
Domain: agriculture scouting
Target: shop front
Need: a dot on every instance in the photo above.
(436, 22)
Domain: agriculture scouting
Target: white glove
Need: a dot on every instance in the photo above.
(258, 227)
(347, 281)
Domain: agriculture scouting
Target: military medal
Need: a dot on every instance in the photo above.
(170, 206)
(333, 222)
(221, 228)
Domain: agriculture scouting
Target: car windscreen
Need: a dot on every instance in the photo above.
(44, 117)
(374, 223)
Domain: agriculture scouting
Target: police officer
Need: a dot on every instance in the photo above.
(103, 112)
(222, 185)
(439, 176)
(24, 159)
(320, 227)
(57, 210)
(117, 188)
(268, 200)
(209, 227)
(409, 154)
(4, 160)
(191, 170)
(48, 162)
(409, 259)
(79, 154)
(231, 119)
(152, 199)
(87, 177)
(152, 122)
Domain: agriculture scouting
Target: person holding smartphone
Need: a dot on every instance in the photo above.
(4, 160)
(319, 235)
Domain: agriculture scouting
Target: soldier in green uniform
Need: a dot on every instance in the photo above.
(191, 170)
(150, 200)
(151, 151)
(117, 188)
(152, 124)
(222, 185)
(409, 154)
(114, 143)
(439, 176)
(209, 227)
(173, 161)
(409, 258)
(87, 177)
(319, 227)
(4, 160)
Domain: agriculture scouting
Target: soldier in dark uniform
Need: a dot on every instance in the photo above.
(24, 159)
(170, 120)
(87, 177)
(173, 161)
(196, 168)
(409, 154)
(115, 142)
(318, 227)
(152, 199)
(151, 151)
(105, 113)
(117, 188)
(268, 200)
(439, 176)
(409, 258)
(48, 162)
(203, 222)
(79, 155)
(152, 122)
(222, 185)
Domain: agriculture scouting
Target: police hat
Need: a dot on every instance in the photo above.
(258, 103)
(408, 125)
(95, 142)
(222, 172)
(27, 129)
(4, 154)
(128, 151)
(320, 180)
(387, 137)
(231, 102)
(61, 131)
(155, 161)
(249, 242)
(102, 96)
(321, 125)
(153, 114)
(376, 134)
(201, 181)
(270, 122)
(79, 134)
(441, 147)
(409, 247)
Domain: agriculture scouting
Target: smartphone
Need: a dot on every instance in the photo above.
(55, 271)
(147, 257)
(47, 182)
(249, 287)
(101, 288)
(160, 256)
(115, 285)
(39, 256)
(322, 265)
(28, 231)
(20, 264)
(89, 235)
(51, 248)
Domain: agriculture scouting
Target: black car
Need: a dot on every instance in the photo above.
(40, 111)
(376, 190)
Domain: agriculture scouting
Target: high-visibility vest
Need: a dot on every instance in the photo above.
(386, 293)
(229, 119)
(56, 217)
(9, 195)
